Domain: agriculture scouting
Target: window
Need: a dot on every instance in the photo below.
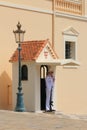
(24, 72)
(43, 71)
(70, 36)
(69, 50)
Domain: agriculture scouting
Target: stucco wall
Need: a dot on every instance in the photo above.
(85, 7)
(43, 4)
(71, 82)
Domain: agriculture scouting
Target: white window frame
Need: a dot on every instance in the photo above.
(70, 35)
(70, 39)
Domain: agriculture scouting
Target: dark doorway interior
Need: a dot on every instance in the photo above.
(43, 72)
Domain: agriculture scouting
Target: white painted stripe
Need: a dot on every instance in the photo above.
(59, 14)
(71, 16)
(24, 7)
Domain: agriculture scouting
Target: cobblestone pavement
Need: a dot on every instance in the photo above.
(10, 120)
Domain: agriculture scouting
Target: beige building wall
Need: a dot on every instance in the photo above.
(85, 7)
(71, 82)
(43, 4)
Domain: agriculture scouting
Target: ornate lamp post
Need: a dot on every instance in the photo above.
(19, 37)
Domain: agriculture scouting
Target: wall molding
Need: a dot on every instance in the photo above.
(24, 7)
(39, 10)
(71, 16)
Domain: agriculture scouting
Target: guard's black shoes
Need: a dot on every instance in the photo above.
(52, 110)
(48, 111)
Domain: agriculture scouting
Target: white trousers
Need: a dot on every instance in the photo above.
(48, 94)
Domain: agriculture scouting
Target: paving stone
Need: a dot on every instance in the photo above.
(10, 120)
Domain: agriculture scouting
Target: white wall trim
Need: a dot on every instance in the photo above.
(24, 7)
(70, 67)
(29, 8)
(71, 39)
(71, 16)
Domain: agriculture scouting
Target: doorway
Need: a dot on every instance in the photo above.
(43, 73)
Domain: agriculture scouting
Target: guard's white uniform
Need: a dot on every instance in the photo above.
(49, 85)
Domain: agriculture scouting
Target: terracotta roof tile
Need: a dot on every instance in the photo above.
(30, 50)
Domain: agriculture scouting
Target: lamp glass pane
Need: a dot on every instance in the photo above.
(19, 37)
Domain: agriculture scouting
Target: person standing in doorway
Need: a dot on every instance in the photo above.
(51, 95)
(49, 88)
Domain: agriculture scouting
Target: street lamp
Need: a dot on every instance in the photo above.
(19, 37)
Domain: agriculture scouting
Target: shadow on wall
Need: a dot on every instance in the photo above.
(5, 91)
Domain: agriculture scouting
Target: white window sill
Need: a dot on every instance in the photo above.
(70, 67)
(70, 63)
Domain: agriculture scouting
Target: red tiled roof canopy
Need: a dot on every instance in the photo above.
(30, 50)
